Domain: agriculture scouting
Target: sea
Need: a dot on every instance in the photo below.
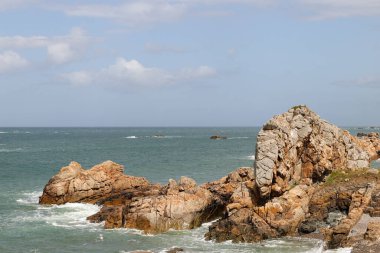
(29, 157)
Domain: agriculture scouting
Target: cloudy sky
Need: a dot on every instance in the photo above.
(187, 62)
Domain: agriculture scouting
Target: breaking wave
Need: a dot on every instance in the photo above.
(131, 137)
(8, 150)
(69, 215)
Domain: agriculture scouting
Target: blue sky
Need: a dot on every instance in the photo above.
(187, 62)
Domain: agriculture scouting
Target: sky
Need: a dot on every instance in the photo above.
(187, 62)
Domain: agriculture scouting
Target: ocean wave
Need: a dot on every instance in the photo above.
(30, 197)
(165, 136)
(69, 215)
(248, 157)
(132, 231)
(131, 137)
(6, 150)
(3, 132)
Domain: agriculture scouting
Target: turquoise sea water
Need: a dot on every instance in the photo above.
(30, 156)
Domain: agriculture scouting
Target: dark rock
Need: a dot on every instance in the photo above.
(369, 135)
(174, 250)
(307, 227)
(218, 137)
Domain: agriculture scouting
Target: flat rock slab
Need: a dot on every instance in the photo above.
(361, 227)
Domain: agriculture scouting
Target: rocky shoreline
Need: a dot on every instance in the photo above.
(310, 179)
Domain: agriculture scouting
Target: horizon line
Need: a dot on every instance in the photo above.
(356, 126)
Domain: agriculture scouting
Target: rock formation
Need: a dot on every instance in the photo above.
(310, 178)
(295, 153)
(217, 137)
(75, 184)
(298, 146)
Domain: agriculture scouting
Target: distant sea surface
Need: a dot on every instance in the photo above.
(29, 157)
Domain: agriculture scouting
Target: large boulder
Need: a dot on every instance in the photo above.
(299, 146)
(75, 184)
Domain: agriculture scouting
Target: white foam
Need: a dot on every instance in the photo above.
(131, 137)
(6, 150)
(69, 215)
(30, 197)
(166, 136)
(251, 157)
(131, 231)
(3, 132)
(340, 250)
(123, 251)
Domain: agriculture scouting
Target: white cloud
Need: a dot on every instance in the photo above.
(10, 61)
(327, 9)
(133, 74)
(60, 49)
(60, 53)
(132, 12)
(23, 42)
(11, 4)
(152, 11)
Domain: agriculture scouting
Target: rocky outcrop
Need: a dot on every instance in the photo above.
(310, 179)
(177, 205)
(337, 207)
(228, 186)
(75, 184)
(181, 205)
(295, 153)
(299, 146)
(217, 137)
(248, 223)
